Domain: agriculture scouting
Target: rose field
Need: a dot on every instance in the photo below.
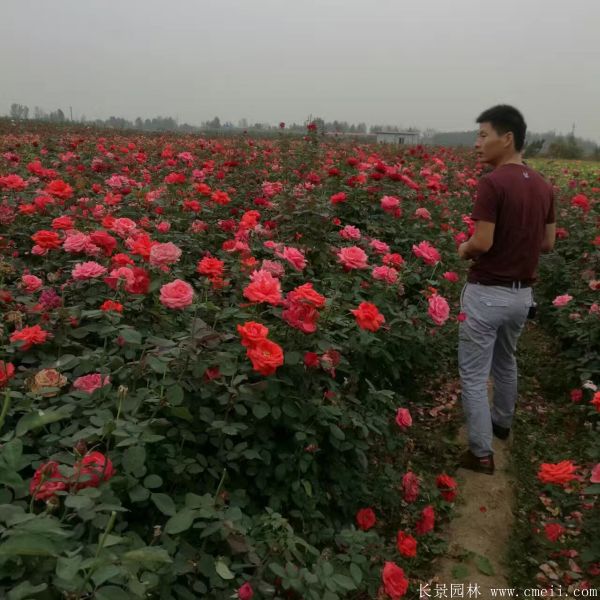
(227, 366)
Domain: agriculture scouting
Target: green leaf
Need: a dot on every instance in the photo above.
(41, 418)
(130, 335)
(356, 573)
(460, 571)
(134, 459)
(164, 503)
(175, 394)
(66, 568)
(104, 573)
(9, 477)
(28, 545)
(148, 556)
(111, 592)
(483, 565)
(223, 570)
(180, 522)
(344, 581)
(592, 489)
(182, 412)
(66, 361)
(336, 432)
(24, 591)
(11, 453)
(261, 410)
(152, 481)
(157, 365)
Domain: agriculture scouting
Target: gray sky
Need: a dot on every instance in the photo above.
(427, 63)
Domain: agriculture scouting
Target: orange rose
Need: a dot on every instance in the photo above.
(367, 316)
(559, 473)
(266, 356)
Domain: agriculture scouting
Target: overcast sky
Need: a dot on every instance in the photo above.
(424, 63)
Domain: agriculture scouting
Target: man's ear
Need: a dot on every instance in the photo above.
(510, 138)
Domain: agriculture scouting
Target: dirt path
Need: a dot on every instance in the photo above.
(478, 534)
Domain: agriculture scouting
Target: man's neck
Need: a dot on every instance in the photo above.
(513, 159)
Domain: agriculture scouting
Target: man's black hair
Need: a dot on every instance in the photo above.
(504, 118)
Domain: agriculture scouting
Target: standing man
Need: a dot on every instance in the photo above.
(514, 223)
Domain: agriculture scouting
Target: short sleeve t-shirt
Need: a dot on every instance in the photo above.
(520, 202)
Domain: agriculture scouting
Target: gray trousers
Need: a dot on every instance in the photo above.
(487, 341)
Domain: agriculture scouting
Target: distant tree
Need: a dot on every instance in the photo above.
(18, 111)
(243, 123)
(595, 155)
(139, 124)
(565, 147)
(533, 148)
(39, 113)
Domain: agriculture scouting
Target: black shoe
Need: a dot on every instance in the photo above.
(480, 464)
(500, 432)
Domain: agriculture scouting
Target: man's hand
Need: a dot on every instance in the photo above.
(462, 251)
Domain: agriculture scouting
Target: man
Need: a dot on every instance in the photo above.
(514, 223)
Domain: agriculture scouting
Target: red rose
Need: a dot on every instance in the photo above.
(395, 582)
(406, 544)
(365, 518)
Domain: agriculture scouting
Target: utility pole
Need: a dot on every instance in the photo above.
(71, 110)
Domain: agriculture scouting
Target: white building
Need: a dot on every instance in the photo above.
(408, 138)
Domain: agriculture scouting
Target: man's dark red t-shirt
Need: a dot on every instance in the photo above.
(520, 202)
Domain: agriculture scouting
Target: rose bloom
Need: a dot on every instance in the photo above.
(31, 283)
(210, 266)
(394, 580)
(263, 288)
(562, 300)
(410, 486)
(350, 232)
(426, 252)
(307, 295)
(90, 383)
(46, 239)
(353, 257)
(164, 254)
(391, 205)
(365, 518)
(295, 257)
(64, 222)
(7, 371)
(59, 189)
(245, 592)
(47, 378)
(553, 531)
(111, 306)
(438, 310)
(123, 226)
(447, 486)
(450, 276)
(406, 544)
(87, 270)
(311, 360)
(29, 336)
(338, 198)
(423, 213)
(252, 332)
(46, 481)
(300, 316)
(395, 260)
(368, 317)
(177, 294)
(559, 473)
(403, 418)
(76, 242)
(595, 401)
(576, 396)
(594, 477)
(384, 273)
(266, 356)
(379, 246)
(92, 470)
(426, 522)
(272, 266)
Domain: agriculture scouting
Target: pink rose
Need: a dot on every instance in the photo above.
(294, 256)
(164, 254)
(595, 475)
(87, 270)
(562, 300)
(439, 311)
(245, 592)
(403, 418)
(427, 253)
(353, 257)
(423, 213)
(350, 232)
(379, 246)
(383, 273)
(450, 276)
(76, 242)
(177, 294)
(31, 283)
(90, 383)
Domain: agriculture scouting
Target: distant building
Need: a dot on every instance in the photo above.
(407, 138)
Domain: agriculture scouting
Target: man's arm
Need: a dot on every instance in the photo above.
(480, 242)
(549, 238)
